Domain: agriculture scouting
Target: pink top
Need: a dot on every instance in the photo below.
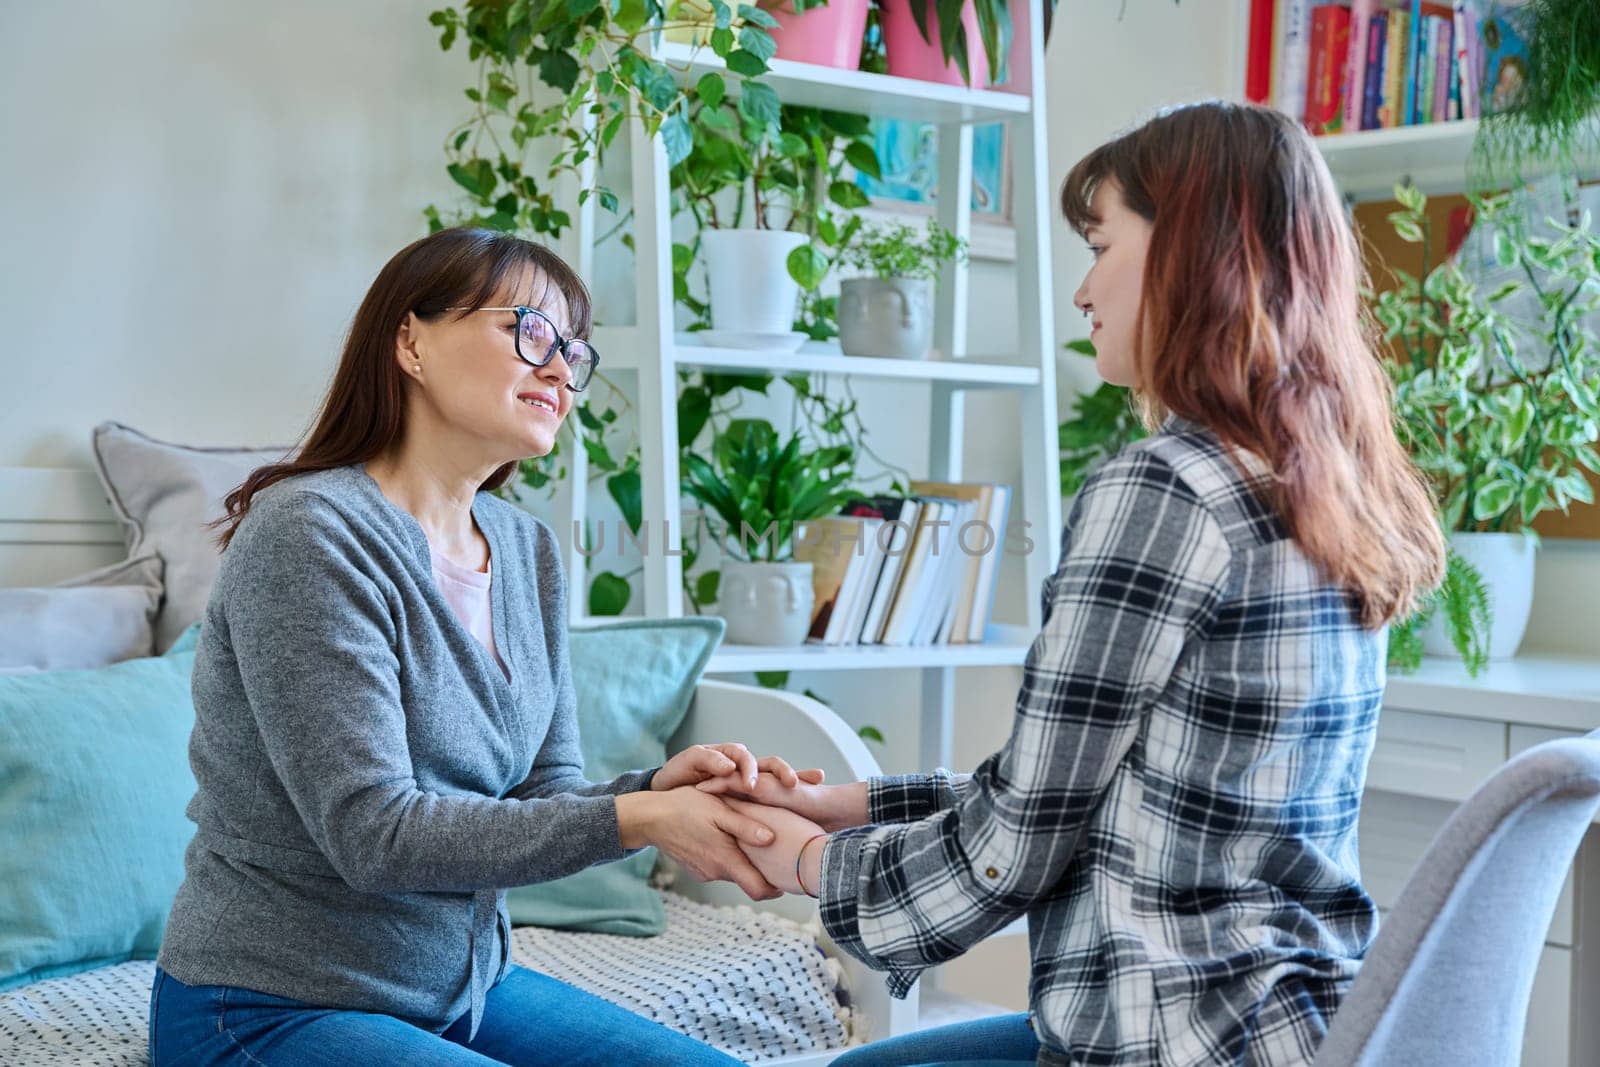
(467, 592)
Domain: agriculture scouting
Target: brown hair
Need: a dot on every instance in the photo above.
(363, 414)
(1251, 324)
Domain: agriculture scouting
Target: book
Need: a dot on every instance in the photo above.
(1353, 92)
(1295, 43)
(1372, 90)
(1258, 62)
(1443, 63)
(900, 519)
(911, 596)
(981, 494)
(1466, 101)
(1330, 45)
(1406, 115)
(983, 593)
(1396, 63)
(828, 573)
(1505, 60)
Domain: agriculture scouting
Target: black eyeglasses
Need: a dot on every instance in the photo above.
(538, 340)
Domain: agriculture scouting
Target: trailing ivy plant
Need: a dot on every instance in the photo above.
(1499, 408)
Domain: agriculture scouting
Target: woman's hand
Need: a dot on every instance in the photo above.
(701, 832)
(731, 761)
(833, 807)
(776, 861)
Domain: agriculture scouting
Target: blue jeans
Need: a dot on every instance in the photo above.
(528, 1018)
(998, 1040)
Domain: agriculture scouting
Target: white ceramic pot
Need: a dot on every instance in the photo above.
(748, 274)
(766, 603)
(889, 317)
(1506, 562)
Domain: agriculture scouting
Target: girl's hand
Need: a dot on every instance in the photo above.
(833, 807)
(731, 762)
(706, 836)
(776, 861)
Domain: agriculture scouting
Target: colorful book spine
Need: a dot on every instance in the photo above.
(1406, 114)
(1395, 65)
(1258, 64)
(1296, 43)
(1355, 72)
(1423, 91)
(1330, 41)
(1372, 89)
(1443, 63)
(1462, 83)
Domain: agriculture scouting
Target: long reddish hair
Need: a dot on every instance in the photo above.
(1252, 325)
(364, 413)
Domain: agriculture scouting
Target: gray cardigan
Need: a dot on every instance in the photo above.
(369, 782)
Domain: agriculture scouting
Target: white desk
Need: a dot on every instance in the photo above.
(1441, 734)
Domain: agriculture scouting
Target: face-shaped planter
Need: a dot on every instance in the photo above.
(889, 317)
(766, 603)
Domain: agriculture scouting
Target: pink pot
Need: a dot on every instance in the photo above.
(909, 56)
(828, 36)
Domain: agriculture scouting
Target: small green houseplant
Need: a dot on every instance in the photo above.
(889, 312)
(1497, 397)
(1102, 423)
(758, 488)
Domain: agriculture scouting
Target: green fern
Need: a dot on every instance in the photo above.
(1463, 597)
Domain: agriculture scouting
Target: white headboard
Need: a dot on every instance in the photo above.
(54, 523)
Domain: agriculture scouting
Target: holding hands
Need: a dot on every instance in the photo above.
(708, 836)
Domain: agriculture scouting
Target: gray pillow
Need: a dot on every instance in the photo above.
(93, 620)
(165, 494)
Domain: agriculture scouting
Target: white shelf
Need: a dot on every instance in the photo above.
(809, 85)
(619, 350)
(1436, 157)
(1553, 691)
(1368, 164)
(822, 358)
(1007, 646)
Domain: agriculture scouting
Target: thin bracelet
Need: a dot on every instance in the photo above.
(798, 856)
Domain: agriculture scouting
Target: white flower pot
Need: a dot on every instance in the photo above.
(766, 603)
(1506, 562)
(889, 317)
(748, 274)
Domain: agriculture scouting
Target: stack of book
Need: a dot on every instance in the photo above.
(1378, 64)
(913, 570)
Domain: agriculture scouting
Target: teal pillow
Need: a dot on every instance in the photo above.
(634, 683)
(94, 780)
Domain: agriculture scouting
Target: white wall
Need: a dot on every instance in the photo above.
(198, 195)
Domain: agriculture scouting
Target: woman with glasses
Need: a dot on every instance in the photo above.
(1175, 809)
(385, 731)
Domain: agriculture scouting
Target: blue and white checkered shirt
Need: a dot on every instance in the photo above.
(1175, 809)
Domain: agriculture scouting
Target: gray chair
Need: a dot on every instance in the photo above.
(1447, 980)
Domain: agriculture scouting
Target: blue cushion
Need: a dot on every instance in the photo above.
(634, 683)
(94, 779)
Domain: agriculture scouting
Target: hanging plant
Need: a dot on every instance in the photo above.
(1554, 117)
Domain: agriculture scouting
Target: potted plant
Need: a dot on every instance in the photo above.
(1552, 112)
(890, 313)
(758, 490)
(1102, 423)
(826, 32)
(1497, 396)
(760, 186)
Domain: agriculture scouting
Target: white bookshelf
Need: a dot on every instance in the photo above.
(656, 352)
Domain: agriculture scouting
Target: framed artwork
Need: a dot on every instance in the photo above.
(909, 159)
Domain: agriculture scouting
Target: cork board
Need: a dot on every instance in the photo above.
(1381, 249)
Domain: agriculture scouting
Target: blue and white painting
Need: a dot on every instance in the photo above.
(908, 154)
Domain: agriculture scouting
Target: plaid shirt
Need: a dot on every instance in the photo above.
(1175, 809)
